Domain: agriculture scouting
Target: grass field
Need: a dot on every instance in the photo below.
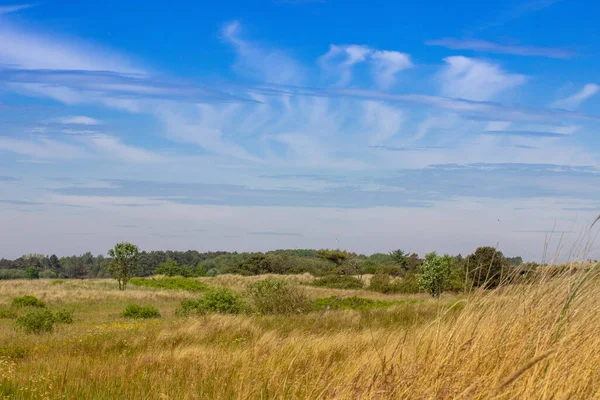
(505, 344)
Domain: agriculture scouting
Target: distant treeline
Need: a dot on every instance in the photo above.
(194, 263)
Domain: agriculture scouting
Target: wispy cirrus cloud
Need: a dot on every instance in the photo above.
(478, 80)
(340, 60)
(575, 100)
(484, 46)
(15, 8)
(76, 120)
(261, 62)
(525, 134)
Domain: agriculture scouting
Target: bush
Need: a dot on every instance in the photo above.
(64, 316)
(274, 296)
(219, 300)
(48, 274)
(37, 321)
(28, 301)
(338, 282)
(174, 283)
(383, 283)
(136, 311)
(58, 282)
(6, 274)
(31, 273)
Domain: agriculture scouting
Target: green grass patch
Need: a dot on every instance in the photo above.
(352, 303)
(64, 316)
(7, 313)
(140, 312)
(173, 283)
(28, 301)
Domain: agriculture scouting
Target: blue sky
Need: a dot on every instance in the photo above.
(297, 123)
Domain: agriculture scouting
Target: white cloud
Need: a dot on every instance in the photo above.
(23, 48)
(491, 47)
(471, 79)
(339, 60)
(575, 100)
(112, 147)
(386, 64)
(268, 65)
(381, 121)
(76, 120)
(497, 126)
(41, 148)
(11, 9)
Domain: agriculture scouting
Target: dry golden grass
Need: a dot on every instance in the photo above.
(505, 344)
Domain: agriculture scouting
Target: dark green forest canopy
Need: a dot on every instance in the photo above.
(194, 263)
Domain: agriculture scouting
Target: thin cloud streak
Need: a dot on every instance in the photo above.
(491, 47)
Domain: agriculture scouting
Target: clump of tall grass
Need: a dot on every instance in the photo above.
(275, 296)
(28, 301)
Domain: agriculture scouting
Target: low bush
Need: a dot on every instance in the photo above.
(28, 301)
(58, 282)
(37, 321)
(140, 312)
(217, 300)
(338, 282)
(174, 283)
(383, 283)
(349, 303)
(275, 296)
(11, 273)
(64, 316)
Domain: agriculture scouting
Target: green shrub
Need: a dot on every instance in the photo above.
(37, 321)
(48, 274)
(218, 300)
(28, 301)
(275, 296)
(174, 283)
(12, 273)
(58, 282)
(31, 273)
(350, 303)
(338, 282)
(383, 283)
(64, 316)
(138, 312)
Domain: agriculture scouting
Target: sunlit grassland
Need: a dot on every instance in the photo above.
(505, 344)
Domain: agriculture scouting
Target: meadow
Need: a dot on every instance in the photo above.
(535, 339)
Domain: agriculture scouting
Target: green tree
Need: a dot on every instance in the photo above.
(168, 268)
(485, 267)
(435, 273)
(31, 273)
(399, 257)
(338, 257)
(124, 262)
